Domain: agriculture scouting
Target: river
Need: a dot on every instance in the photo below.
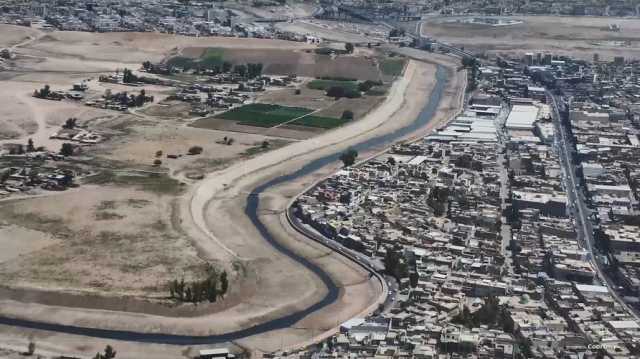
(251, 210)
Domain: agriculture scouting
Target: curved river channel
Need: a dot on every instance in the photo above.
(251, 210)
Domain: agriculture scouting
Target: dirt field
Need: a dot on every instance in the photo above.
(135, 231)
(577, 36)
(12, 35)
(299, 62)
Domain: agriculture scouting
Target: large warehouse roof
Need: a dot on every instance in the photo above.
(522, 117)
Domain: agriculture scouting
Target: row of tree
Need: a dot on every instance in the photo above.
(129, 100)
(208, 289)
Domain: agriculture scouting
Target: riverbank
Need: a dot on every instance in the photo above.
(229, 189)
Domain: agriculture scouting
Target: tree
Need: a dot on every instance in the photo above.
(265, 144)
(468, 61)
(224, 283)
(157, 162)
(391, 161)
(128, 76)
(297, 91)
(348, 157)
(254, 70)
(31, 348)
(342, 91)
(109, 353)
(348, 47)
(240, 70)
(347, 115)
(146, 65)
(66, 149)
(70, 123)
(30, 147)
(195, 150)
(226, 66)
(46, 91)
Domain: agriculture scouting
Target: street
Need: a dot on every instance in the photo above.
(575, 195)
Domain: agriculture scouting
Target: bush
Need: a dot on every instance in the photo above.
(340, 91)
(195, 150)
(66, 149)
(157, 163)
(347, 115)
(368, 85)
(298, 91)
(348, 157)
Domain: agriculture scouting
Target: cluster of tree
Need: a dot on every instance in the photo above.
(210, 288)
(438, 199)
(368, 85)
(467, 161)
(396, 33)
(338, 92)
(32, 148)
(249, 70)
(129, 100)
(195, 150)
(348, 157)
(45, 92)
(472, 63)
(348, 47)
(70, 123)
(491, 314)
(128, 76)
(109, 353)
(395, 264)
(347, 115)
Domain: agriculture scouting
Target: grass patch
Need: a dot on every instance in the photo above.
(320, 122)
(106, 216)
(211, 58)
(392, 67)
(263, 115)
(152, 182)
(325, 84)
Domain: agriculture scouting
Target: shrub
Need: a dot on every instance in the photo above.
(347, 115)
(195, 150)
(340, 91)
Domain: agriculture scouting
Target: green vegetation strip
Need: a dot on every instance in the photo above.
(320, 122)
(212, 57)
(325, 84)
(392, 67)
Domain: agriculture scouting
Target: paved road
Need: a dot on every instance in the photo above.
(577, 201)
(503, 155)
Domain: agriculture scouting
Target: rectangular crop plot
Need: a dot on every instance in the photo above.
(263, 115)
(392, 67)
(320, 122)
(325, 84)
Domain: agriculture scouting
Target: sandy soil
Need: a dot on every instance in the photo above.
(575, 36)
(24, 116)
(130, 47)
(291, 288)
(213, 227)
(140, 147)
(302, 63)
(12, 35)
(334, 30)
